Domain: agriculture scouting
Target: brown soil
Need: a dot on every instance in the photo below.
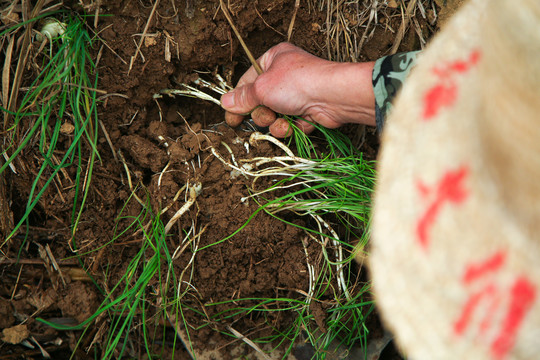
(265, 260)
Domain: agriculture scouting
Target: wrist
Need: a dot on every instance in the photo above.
(347, 92)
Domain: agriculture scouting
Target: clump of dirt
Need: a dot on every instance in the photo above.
(6, 314)
(78, 300)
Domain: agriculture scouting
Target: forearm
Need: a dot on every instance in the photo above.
(347, 92)
(331, 94)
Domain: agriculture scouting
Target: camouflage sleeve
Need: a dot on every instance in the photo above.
(389, 74)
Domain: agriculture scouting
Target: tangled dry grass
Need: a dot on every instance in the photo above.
(350, 24)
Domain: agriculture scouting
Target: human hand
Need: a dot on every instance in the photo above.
(295, 82)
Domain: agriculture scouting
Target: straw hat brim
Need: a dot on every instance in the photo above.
(454, 274)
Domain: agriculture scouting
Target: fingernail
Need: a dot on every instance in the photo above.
(227, 100)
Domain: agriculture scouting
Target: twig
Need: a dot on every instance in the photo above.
(143, 35)
(99, 333)
(58, 183)
(372, 15)
(129, 180)
(47, 263)
(54, 263)
(103, 97)
(107, 45)
(244, 46)
(23, 56)
(195, 240)
(403, 26)
(5, 261)
(181, 335)
(180, 250)
(264, 21)
(62, 170)
(291, 25)
(16, 283)
(96, 15)
(247, 341)
(328, 26)
(419, 32)
(107, 137)
(7, 71)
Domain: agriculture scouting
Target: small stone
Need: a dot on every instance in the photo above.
(15, 334)
(67, 129)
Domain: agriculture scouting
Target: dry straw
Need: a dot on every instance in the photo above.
(349, 25)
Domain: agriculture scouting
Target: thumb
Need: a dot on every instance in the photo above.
(241, 100)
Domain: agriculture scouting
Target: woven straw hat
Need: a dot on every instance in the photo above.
(455, 254)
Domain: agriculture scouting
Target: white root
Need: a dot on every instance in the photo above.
(190, 91)
(222, 83)
(311, 273)
(194, 191)
(195, 240)
(163, 172)
(209, 85)
(239, 169)
(304, 183)
(185, 242)
(51, 29)
(230, 152)
(165, 143)
(281, 160)
(174, 200)
(239, 140)
(299, 164)
(246, 168)
(256, 136)
(339, 255)
(130, 183)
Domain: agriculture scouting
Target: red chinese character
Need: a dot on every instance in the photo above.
(449, 190)
(444, 93)
(515, 303)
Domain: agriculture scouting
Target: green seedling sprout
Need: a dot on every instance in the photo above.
(64, 91)
(150, 268)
